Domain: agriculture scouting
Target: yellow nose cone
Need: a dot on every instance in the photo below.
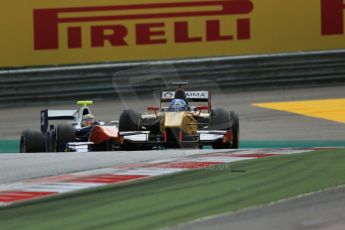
(174, 119)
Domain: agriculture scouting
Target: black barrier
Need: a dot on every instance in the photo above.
(64, 83)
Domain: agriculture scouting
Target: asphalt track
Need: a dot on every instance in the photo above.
(256, 124)
(18, 167)
(324, 210)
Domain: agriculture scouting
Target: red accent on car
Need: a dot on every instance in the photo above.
(203, 107)
(165, 136)
(100, 134)
(153, 108)
(228, 136)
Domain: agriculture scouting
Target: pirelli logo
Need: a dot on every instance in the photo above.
(105, 24)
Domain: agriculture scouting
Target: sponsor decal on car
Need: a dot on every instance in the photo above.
(189, 95)
(168, 95)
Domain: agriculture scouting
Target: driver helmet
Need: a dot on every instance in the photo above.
(178, 105)
(88, 120)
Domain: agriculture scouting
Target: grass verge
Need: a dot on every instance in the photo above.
(169, 200)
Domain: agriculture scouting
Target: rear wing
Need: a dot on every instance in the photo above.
(191, 96)
(47, 115)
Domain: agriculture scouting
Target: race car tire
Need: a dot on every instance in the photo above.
(32, 141)
(64, 133)
(221, 119)
(129, 121)
(50, 142)
(235, 121)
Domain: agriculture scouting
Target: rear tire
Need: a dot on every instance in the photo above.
(235, 130)
(50, 142)
(129, 121)
(32, 141)
(221, 119)
(64, 133)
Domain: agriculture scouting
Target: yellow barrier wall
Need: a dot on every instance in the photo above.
(45, 32)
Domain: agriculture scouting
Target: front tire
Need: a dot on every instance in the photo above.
(32, 141)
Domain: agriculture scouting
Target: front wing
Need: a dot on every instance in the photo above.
(207, 137)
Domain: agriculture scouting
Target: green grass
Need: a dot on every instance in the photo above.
(291, 143)
(169, 200)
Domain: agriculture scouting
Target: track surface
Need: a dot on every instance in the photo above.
(323, 210)
(17, 167)
(256, 123)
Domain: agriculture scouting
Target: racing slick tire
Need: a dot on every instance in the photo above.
(221, 119)
(129, 121)
(64, 133)
(32, 141)
(235, 121)
(50, 142)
